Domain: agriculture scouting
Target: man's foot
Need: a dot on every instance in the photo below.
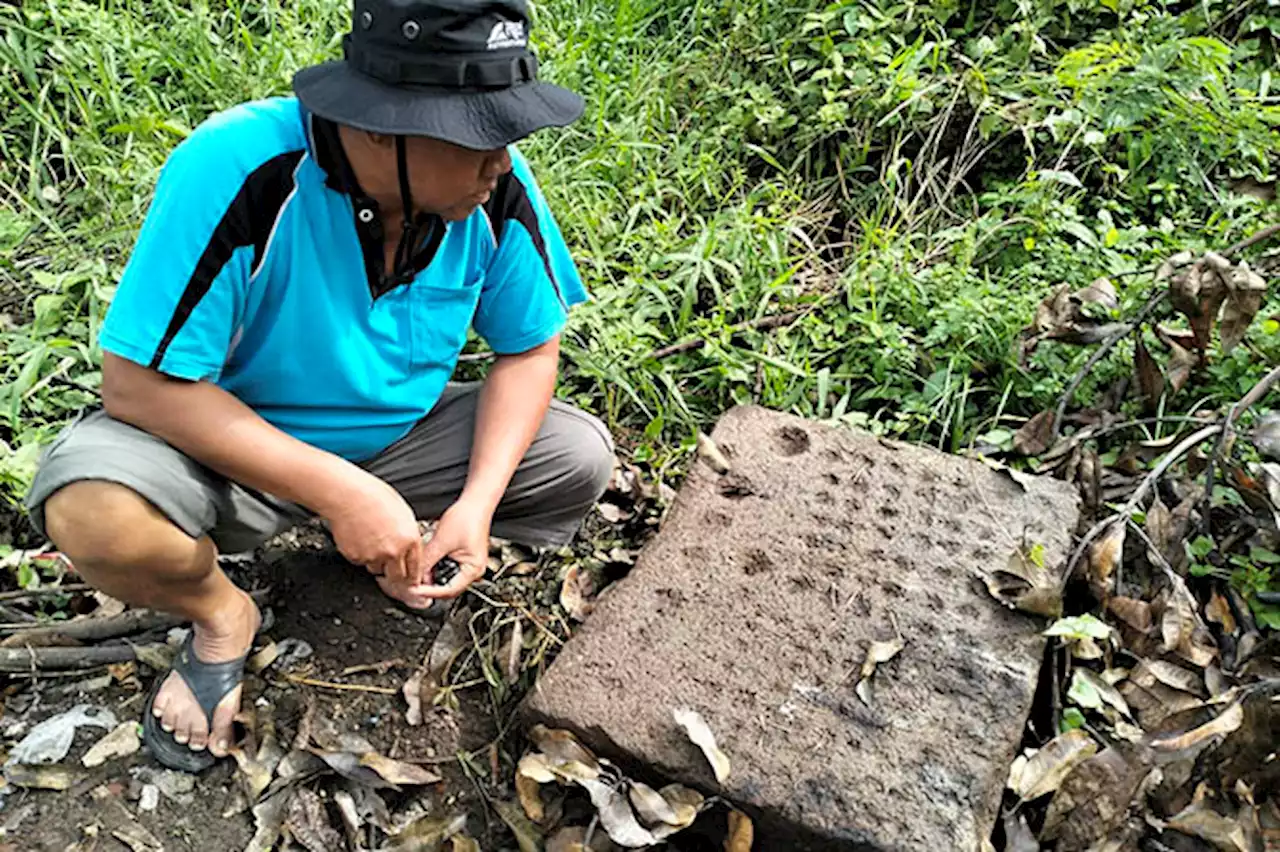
(228, 637)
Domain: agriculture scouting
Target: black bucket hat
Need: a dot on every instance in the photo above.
(456, 70)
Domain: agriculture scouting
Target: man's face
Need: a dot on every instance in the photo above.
(449, 180)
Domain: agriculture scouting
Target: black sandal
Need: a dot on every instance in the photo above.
(209, 683)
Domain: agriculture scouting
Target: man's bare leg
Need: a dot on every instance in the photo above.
(123, 546)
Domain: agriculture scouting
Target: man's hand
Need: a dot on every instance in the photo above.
(373, 526)
(463, 535)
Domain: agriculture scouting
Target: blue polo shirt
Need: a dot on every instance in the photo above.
(258, 268)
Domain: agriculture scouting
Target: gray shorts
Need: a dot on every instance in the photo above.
(559, 480)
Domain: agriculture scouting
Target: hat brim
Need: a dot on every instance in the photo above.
(480, 120)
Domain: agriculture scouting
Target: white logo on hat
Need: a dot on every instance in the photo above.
(507, 34)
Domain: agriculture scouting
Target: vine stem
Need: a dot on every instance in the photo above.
(1252, 398)
(1100, 353)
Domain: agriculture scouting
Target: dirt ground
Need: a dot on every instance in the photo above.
(320, 599)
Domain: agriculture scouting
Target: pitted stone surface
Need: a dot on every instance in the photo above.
(756, 603)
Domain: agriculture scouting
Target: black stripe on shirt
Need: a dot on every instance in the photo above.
(510, 200)
(248, 221)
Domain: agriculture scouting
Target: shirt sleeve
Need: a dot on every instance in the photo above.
(182, 291)
(530, 281)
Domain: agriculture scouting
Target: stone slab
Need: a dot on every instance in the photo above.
(756, 603)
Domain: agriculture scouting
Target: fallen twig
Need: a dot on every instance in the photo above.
(17, 616)
(378, 668)
(28, 594)
(1141, 317)
(92, 629)
(349, 687)
(39, 659)
(1265, 233)
(765, 323)
(1098, 354)
(1185, 446)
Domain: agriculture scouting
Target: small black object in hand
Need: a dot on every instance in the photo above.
(446, 569)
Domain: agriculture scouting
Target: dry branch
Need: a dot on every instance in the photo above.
(1106, 346)
(90, 629)
(28, 594)
(41, 659)
(765, 323)
(1136, 323)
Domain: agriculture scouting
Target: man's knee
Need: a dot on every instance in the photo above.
(589, 457)
(106, 524)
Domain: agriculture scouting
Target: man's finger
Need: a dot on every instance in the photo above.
(431, 553)
(392, 569)
(415, 564)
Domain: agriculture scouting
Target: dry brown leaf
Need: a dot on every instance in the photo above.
(429, 833)
(1246, 290)
(1017, 834)
(1041, 771)
(451, 639)
(712, 455)
(462, 843)
(877, 653)
(1218, 610)
(1095, 796)
(700, 733)
(1035, 436)
(396, 771)
(137, 838)
(651, 807)
(412, 692)
(1199, 820)
(1159, 528)
(742, 833)
(121, 742)
(576, 592)
(1225, 723)
(1099, 292)
(268, 818)
(561, 745)
(1182, 630)
(1266, 435)
(529, 792)
(1104, 557)
(613, 513)
(350, 816)
(616, 817)
(1170, 675)
(308, 823)
(573, 839)
(1133, 612)
(1181, 358)
(40, 777)
(685, 803)
(1150, 376)
(514, 652)
(1025, 583)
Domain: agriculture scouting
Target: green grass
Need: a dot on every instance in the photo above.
(913, 176)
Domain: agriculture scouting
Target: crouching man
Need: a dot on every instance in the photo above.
(282, 340)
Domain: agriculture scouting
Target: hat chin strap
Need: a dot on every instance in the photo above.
(401, 265)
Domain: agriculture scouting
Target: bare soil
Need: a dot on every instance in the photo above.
(341, 613)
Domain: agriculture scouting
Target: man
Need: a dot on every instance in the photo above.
(282, 339)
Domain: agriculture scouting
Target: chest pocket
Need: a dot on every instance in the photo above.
(441, 315)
